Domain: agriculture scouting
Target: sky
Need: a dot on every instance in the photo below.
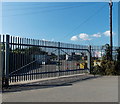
(80, 23)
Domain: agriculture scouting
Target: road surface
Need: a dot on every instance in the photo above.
(101, 89)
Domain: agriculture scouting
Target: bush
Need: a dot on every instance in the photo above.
(107, 68)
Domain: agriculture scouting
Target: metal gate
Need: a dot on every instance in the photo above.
(29, 59)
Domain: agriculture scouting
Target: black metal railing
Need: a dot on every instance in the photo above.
(29, 59)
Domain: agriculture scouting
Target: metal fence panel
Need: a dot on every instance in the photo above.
(29, 59)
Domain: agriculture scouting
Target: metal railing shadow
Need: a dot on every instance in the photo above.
(59, 82)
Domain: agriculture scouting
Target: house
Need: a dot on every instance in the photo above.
(41, 59)
(74, 56)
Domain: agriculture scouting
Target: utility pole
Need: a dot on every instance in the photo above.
(111, 41)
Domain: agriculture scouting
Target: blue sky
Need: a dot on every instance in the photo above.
(70, 22)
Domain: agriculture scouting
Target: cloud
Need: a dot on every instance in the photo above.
(84, 36)
(44, 39)
(48, 40)
(107, 33)
(74, 38)
(98, 35)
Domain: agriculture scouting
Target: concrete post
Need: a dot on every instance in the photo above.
(7, 61)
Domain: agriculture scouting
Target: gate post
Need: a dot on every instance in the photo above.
(89, 59)
(1, 65)
(7, 61)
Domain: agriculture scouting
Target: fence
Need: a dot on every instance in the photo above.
(29, 59)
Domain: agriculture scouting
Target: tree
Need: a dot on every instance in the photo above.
(107, 66)
(107, 55)
(118, 54)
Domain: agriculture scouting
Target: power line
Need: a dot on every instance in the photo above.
(45, 11)
(11, 4)
(43, 7)
(85, 21)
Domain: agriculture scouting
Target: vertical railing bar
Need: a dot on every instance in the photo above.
(47, 44)
(30, 54)
(13, 76)
(80, 59)
(59, 58)
(27, 48)
(12, 57)
(12, 54)
(20, 58)
(41, 43)
(37, 49)
(21, 55)
(33, 56)
(33, 59)
(36, 52)
(67, 61)
(16, 59)
(26, 77)
(34, 62)
(50, 53)
(40, 68)
(64, 60)
(51, 59)
(24, 70)
(37, 58)
(44, 59)
(34, 67)
(25, 59)
(47, 56)
(29, 59)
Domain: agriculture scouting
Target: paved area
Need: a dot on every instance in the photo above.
(100, 89)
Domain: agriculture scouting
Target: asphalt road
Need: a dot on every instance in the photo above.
(101, 89)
